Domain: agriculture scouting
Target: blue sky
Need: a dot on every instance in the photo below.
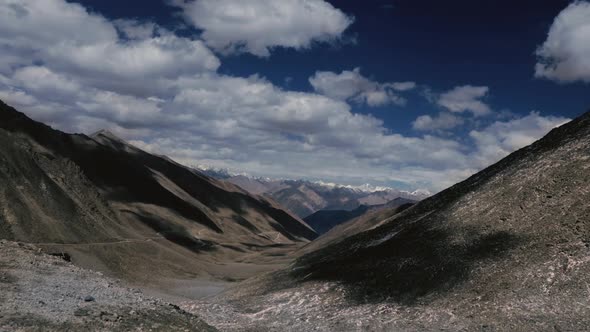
(410, 94)
(441, 44)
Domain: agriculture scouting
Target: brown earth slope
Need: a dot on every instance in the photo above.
(116, 208)
(506, 250)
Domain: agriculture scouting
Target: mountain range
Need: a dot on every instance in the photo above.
(304, 198)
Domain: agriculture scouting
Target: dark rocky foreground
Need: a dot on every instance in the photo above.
(43, 293)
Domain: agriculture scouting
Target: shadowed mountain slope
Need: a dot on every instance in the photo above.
(113, 206)
(506, 249)
(368, 220)
(324, 220)
(530, 209)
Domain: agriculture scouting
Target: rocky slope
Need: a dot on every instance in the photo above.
(506, 250)
(43, 293)
(118, 209)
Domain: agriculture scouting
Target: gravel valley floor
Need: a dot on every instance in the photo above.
(39, 292)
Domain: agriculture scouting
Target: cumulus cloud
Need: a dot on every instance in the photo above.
(34, 88)
(41, 79)
(132, 29)
(352, 85)
(80, 72)
(466, 98)
(253, 110)
(501, 138)
(403, 86)
(565, 55)
(66, 37)
(444, 121)
(17, 97)
(256, 26)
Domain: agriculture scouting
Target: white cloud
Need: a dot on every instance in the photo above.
(66, 37)
(39, 24)
(122, 109)
(352, 85)
(565, 55)
(166, 56)
(501, 138)
(44, 87)
(256, 26)
(132, 29)
(466, 98)
(253, 110)
(403, 86)
(17, 97)
(163, 92)
(444, 121)
(41, 79)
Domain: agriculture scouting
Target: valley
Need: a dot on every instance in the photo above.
(113, 238)
(294, 166)
(114, 208)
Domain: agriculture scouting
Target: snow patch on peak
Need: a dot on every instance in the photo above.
(224, 173)
(367, 188)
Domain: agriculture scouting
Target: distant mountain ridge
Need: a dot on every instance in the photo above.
(304, 198)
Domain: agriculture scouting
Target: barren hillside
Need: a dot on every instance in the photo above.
(118, 209)
(506, 250)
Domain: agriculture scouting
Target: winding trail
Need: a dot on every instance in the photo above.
(99, 243)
